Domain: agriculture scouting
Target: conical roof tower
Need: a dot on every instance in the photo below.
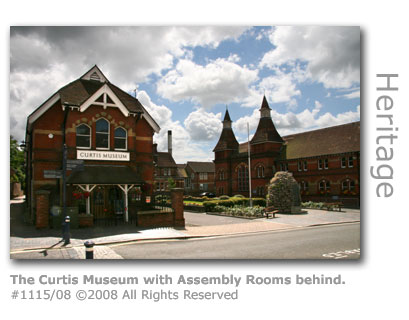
(266, 131)
(227, 140)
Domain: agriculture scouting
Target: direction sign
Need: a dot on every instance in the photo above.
(52, 174)
(75, 164)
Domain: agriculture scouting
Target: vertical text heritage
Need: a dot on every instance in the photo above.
(385, 135)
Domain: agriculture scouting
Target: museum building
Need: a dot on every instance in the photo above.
(325, 162)
(107, 138)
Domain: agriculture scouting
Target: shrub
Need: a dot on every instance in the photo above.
(238, 196)
(224, 197)
(282, 192)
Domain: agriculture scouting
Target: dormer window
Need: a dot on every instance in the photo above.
(102, 134)
(83, 136)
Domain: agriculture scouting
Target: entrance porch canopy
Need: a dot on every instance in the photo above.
(122, 176)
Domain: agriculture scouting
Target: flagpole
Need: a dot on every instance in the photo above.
(248, 150)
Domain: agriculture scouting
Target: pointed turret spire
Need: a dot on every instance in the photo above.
(227, 140)
(266, 131)
(265, 110)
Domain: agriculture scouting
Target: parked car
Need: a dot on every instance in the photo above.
(208, 194)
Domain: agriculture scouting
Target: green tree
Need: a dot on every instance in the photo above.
(171, 183)
(17, 173)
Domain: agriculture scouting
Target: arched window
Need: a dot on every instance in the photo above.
(120, 139)
(348, 186)
(324, 186)
(260, 172)
(243, 178)
(83, 136)
(221, 175)
(102, 134)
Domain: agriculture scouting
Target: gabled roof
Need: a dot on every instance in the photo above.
(201, 166)
(333, 140)
(165, 160)
(80, 92)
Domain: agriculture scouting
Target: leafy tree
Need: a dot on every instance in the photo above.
(171, 183)
(17, 173)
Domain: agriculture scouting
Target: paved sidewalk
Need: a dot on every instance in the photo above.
(28, 243)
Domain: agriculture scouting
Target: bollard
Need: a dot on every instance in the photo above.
(89, 249)
(66, 230)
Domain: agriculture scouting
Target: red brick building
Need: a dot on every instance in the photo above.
(200, 177)
(106, 129)
(325, 162)
(166, 168)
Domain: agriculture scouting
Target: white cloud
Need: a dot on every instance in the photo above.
(126, 55)
(220, 81)
(203, 126)
(184, 147)
(332, 54)
(289, 123)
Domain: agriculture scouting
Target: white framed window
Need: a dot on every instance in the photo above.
(203, 175)
(319, 164)
(326, 164)
(350, 162)
(299, 166)
(83, 136)
(343, 162)
(120, 139)
(305, 166)
(102, 134)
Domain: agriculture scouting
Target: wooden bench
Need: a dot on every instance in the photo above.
(332, 205)
(270, 212)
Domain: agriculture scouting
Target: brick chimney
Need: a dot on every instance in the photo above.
(170, 142)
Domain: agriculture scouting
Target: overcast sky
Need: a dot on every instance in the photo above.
(185, 76)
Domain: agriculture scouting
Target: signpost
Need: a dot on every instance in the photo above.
(52, 174)
(75, 164)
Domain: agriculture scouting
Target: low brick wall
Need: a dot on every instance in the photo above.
(147, 219)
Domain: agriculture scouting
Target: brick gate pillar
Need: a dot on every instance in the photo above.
(176, 195)
(43, 208)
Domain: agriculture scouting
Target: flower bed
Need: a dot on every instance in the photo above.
(240, 211)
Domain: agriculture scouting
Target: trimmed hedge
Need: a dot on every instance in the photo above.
(234, 201)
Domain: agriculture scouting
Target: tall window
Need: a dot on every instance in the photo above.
(243, 178)
(319, 164)
(102, 134)
(350, 162)
(221, 175)
(120, 139)
(83, 136)
(203, 176)
(325, 163)
(260, 172)
(324, 186)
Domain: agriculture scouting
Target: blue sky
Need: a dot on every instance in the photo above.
(185, 76)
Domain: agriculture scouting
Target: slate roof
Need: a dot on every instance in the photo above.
(333, 140)
(201, 166)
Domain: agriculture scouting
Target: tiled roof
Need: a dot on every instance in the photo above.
(201, 166)
(333, 140)
(165, 160)
(227, 141)
(266, 132)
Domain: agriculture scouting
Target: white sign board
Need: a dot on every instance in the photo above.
(102, 155)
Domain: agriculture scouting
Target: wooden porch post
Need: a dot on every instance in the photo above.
(125, 189)
(88, 189)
